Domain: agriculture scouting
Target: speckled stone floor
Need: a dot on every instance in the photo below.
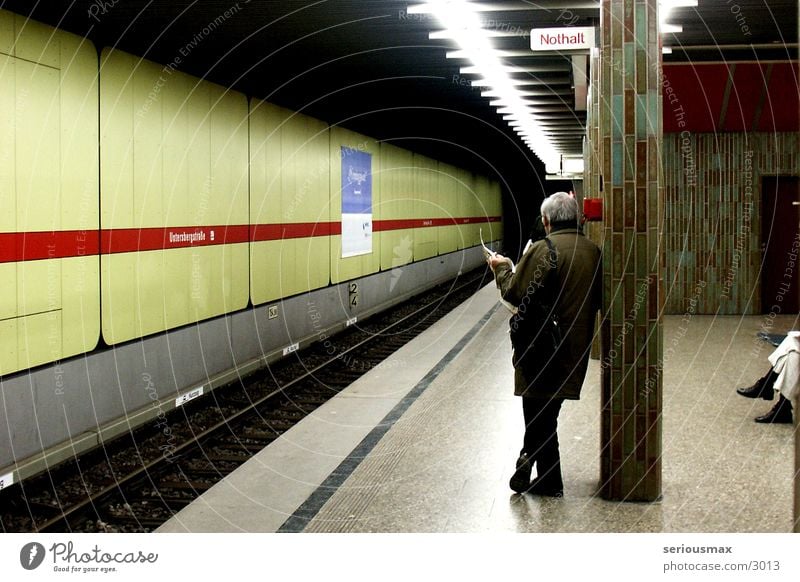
(444, 466)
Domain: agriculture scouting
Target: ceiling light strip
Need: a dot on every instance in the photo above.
(461, 24)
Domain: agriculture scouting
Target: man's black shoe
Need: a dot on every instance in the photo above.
(781, 413)
(756, 391)
(521, 479)
(763, 388)
(539, 488)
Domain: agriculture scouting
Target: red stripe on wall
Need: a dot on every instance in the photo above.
(266, 232)
(128, 240)
(35, 246)
(383, 225)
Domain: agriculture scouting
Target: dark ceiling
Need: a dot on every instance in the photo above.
(369, 65)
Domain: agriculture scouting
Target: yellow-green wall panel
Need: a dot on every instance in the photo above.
(39, 339)
(266, 283)
(494, 208)
(8, 157)
(149, 293)
(176, 267)
(80, 162)
(229, 182)
(288, 204)
(235, 289)
(467, 233)
(397, 203)
(9, 358)
(477, 210)
(289, 184)
(80, 314)
(448, 201)
(305, 171)
(343, 269)
(38, 127)
(117, 137)
(38, 286)
(79, 183)
(140, 109)
(265, 161)
(8, 291)
(201, 202)
(288, 267)
(120, 312)
(48, 171)
(7, 34)
(396, 175)
(177, 156)
(37, 42)
(215, 285)
(425, 188)
(483, 207)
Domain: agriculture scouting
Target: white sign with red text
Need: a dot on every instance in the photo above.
(562, 38)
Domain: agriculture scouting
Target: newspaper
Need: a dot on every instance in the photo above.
(488, 253)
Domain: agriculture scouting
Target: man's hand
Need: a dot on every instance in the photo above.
(496, 259)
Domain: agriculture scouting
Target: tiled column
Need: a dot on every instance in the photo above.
(630, 131)
(592, 166)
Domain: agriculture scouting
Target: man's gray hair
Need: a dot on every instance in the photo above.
(560, 207)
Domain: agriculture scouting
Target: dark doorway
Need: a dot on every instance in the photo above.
(780, 238)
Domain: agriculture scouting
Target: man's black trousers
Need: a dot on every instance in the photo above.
(541, 440)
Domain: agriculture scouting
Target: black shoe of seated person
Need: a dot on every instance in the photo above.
(521, 479)
(763, 388)
(781, 413)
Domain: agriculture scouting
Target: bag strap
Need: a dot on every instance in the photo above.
(553, 254)
(552, 264)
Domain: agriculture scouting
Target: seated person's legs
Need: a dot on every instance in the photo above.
(781, 413)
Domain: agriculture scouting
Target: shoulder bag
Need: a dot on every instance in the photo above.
(534, 328)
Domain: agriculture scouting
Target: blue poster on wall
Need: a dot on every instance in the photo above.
(356, 202)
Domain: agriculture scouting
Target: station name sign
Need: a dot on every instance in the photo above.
(562, 38)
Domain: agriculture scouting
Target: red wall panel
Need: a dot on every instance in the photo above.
(745, 93)
(698, 92)
(780, 112)
(694, 96)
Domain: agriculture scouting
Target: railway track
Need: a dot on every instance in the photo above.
(137, 482)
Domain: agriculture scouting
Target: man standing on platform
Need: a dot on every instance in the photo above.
(556, 291)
